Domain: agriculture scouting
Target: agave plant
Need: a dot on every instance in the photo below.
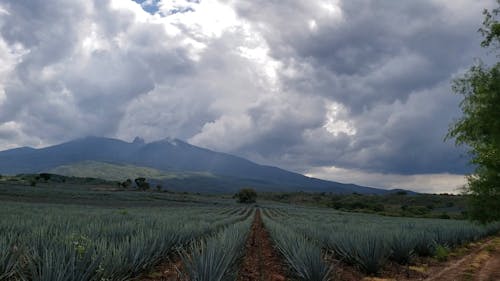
(402, 245)
(425, 245)
(301, 254)
(212, 259)
(9, 259)
(61, 263)
(66, 243)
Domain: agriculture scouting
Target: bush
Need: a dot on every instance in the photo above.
(441, 253)
(246, 195)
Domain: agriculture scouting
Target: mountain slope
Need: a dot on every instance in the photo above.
(166, 155)
(119, 172)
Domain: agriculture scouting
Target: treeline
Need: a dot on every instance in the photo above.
(400, 203)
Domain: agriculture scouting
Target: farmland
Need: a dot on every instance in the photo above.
(93, 231)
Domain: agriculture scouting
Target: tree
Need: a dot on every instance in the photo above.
(45, 176)
(127, 183)
(141, 183)
(479, 127)
(246, 195)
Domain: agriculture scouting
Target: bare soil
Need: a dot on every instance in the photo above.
(491, 269)
(261, 262)
(170, 270)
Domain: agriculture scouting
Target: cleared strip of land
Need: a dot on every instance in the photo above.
(261, 262)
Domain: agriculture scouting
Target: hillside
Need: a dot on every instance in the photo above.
(119, 172)
(206, 168)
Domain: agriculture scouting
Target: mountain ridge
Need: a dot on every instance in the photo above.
(168, 155)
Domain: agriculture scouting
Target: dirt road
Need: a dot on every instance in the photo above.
(261, 261)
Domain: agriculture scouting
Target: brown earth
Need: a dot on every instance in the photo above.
(170, 270)
(491, 269)
(261, 261)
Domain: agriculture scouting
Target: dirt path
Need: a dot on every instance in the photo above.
(482, 264)
(490, 271)
(261, 261)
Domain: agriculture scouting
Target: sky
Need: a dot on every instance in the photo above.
(357, 91)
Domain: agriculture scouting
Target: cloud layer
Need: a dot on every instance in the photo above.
(310, 85)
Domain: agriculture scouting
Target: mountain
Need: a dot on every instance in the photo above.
(206, 169)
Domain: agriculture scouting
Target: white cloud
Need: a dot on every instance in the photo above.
(428, 183)
(337, 122)
(354, 84)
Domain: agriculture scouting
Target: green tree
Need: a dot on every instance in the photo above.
(141, 183)
(479, 127)
(45, 176)
(127, 183)
(246, 195)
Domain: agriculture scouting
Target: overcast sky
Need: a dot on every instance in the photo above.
(354, 91)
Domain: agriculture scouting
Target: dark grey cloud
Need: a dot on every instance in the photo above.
(361, 85)
(390, 64)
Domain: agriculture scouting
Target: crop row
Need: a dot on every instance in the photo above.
(64, 243)
(301, 254)
(214, 258)
(369, 241)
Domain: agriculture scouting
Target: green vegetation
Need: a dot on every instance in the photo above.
(302, 255)
(119, 172)
(479, 127)
(246, 195)
(80, 243)
(369, 241)
(394, 204)
(141, 184)
(441, 253)
(70, 229)
(214, 258)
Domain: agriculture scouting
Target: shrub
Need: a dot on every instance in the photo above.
(441, 253)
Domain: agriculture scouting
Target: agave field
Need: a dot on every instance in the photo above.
(306, 237)
(62, 242)
(52, 243)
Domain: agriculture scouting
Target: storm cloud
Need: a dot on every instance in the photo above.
(337, 89)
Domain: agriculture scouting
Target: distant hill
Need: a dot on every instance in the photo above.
(166, 160)
(119, 172)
